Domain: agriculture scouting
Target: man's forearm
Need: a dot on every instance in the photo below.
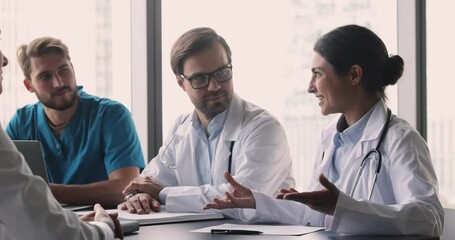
(107, 193)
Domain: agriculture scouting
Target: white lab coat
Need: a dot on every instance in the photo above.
(27, 208)
(404, 200)
(260, 158)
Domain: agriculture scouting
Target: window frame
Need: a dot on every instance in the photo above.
(412, 103)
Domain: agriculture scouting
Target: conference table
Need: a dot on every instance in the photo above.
(182, 230)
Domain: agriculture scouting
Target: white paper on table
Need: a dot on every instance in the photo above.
(268, 229)
(162, 216)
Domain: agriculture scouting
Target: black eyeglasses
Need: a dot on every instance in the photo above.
(221, 75)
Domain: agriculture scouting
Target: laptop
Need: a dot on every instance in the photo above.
(33, 154)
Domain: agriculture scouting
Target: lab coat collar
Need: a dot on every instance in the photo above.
(372, 129)
(376, 122)
(185, 124)
(232, 124)
(234, 120)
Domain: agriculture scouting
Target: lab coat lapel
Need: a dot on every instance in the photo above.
(234, 119)
(372, 132)
(229, 134)
(327, 154)
(221, 162)
(367, 142)
(185, 154)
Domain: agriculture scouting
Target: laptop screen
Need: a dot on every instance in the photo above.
(31, 149)
(33, 154)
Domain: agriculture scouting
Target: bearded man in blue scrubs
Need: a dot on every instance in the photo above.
(90, 144)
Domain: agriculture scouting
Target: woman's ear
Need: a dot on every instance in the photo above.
(356, 74)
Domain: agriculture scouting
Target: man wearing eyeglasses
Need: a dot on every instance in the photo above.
(224, 133)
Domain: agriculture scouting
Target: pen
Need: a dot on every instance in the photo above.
(235, 231)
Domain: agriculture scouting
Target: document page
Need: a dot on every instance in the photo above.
(163, 216)
(268, 229)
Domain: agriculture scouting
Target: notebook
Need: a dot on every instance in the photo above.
(163, 216)
(31, 149)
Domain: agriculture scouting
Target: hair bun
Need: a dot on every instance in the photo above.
(394, 70)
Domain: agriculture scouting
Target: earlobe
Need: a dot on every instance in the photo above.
(28, 85)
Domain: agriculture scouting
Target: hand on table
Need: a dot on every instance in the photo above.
(99, 214)
(140, 203)
(142, 195)
(143, 184)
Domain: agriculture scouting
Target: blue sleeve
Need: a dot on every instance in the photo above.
(120, 141)
(12, 129)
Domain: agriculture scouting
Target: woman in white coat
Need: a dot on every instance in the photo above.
(395, 192)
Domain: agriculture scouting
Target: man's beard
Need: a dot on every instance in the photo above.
(211, 111)
(49, 103)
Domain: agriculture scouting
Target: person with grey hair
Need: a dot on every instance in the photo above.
(223, 133)
(373, 173)
(29, 211)
(90, 144)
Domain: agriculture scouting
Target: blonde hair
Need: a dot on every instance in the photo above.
(39, 47)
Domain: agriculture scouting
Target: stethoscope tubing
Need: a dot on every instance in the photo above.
(374, 151)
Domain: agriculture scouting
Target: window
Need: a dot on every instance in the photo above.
(272, 44)
(440, 85)
(99, 52)
(98, 34)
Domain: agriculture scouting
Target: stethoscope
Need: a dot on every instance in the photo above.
(373, 152)
(174, 166)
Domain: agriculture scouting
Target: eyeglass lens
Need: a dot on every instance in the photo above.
(203, 80)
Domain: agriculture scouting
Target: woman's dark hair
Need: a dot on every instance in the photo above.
(351, 45)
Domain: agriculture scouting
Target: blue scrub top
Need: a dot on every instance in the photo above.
(100, 138)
